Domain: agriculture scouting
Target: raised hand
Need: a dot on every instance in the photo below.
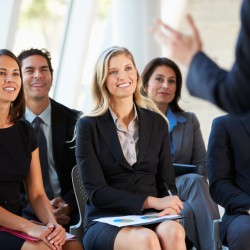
(181, 47)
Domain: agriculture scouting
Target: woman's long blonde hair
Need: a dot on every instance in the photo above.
(100, 93)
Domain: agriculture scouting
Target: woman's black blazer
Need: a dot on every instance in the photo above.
(113, 186)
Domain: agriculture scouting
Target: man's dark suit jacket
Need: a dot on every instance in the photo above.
(229, 90)
(63, 122)
(228, 164)
(113, 186)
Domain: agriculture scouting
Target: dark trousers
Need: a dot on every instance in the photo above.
(238, 233)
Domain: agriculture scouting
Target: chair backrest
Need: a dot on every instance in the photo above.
(81, 198)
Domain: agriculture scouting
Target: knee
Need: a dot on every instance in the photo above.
(171, 232)
(74, 244)
(176, 233)
(190, 182)
(240, 239)
(147, 239)
(40, 245)
(197, 179)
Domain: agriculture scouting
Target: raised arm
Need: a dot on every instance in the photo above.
(229, 90)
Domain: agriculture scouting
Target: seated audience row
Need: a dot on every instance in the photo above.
(125, 169)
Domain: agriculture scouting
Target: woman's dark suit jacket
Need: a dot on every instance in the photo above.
(228, 165)
(113, 186)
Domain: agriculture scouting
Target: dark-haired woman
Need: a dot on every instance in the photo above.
(19, 161)
(162, 81)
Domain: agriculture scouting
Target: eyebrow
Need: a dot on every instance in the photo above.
(164, 76)
(45, 67)
(42, 67)
(6, 69)
(129, 64)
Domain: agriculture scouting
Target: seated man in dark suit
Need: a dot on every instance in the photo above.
(228, 166)
(57, 124)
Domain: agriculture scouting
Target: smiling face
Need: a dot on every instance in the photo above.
(122, 77)
(10, 79)
(162, 87)
(37, 77)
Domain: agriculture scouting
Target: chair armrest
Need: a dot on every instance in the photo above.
(216, 234)
(77, 230)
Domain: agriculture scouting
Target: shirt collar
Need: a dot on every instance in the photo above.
(174, 118)
(45, 115)
(115, 118)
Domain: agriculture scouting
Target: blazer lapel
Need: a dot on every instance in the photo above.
(145, 126)
(177, 138)
(58, 123)
(107, 129)
(245, 121)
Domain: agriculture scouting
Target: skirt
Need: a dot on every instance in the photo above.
(100, 236)
(10, 242)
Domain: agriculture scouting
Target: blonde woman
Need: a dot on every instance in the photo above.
(123, 151)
